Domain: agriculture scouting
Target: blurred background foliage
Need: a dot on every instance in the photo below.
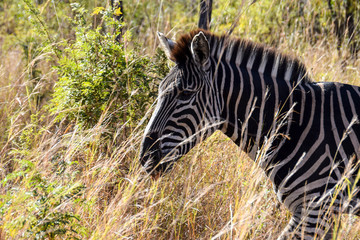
(92, 71)
(77, 77)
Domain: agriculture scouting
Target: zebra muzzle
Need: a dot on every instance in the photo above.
(150, 154)
(152, 158)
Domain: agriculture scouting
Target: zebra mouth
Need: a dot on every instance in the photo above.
(167, 161)
(155, 158)
(165, 165)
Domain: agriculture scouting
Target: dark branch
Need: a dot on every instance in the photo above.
(118, 7)
(205, 14)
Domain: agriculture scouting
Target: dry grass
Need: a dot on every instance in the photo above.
(213, 192)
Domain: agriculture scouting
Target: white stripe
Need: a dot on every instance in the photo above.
(348, 125)
(264, 60)
(251, 60)
(262, 106)
(229, 51)
(231, 89)
(251, 98)
(335, 132)
(239, 56)
(276, 89)
(214, 48)
(238, 60)
(289, 71)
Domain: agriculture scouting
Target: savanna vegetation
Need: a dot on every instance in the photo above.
(77, 84)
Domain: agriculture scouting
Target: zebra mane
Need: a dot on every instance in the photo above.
(181, 52)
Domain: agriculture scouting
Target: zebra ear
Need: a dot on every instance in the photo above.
(200, 48)
(167, 45)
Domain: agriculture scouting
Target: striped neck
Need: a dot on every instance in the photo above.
(257, 86)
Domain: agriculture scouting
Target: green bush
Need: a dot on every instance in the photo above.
(46, 211)
(99, 75)
(47, 219)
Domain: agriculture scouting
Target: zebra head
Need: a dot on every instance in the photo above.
(185, 112)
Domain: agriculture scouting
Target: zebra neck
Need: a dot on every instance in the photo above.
(257, 94)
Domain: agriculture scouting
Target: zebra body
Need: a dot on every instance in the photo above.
(304, 135)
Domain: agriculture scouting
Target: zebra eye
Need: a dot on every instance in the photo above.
(185, 95)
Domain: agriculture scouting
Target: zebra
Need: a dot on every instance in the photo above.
(305, 135)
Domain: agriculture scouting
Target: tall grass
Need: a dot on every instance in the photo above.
(60, 181)
(67, 182)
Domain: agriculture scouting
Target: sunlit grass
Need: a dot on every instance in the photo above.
(59, 179)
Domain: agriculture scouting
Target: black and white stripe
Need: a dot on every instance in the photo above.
(305, 135)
